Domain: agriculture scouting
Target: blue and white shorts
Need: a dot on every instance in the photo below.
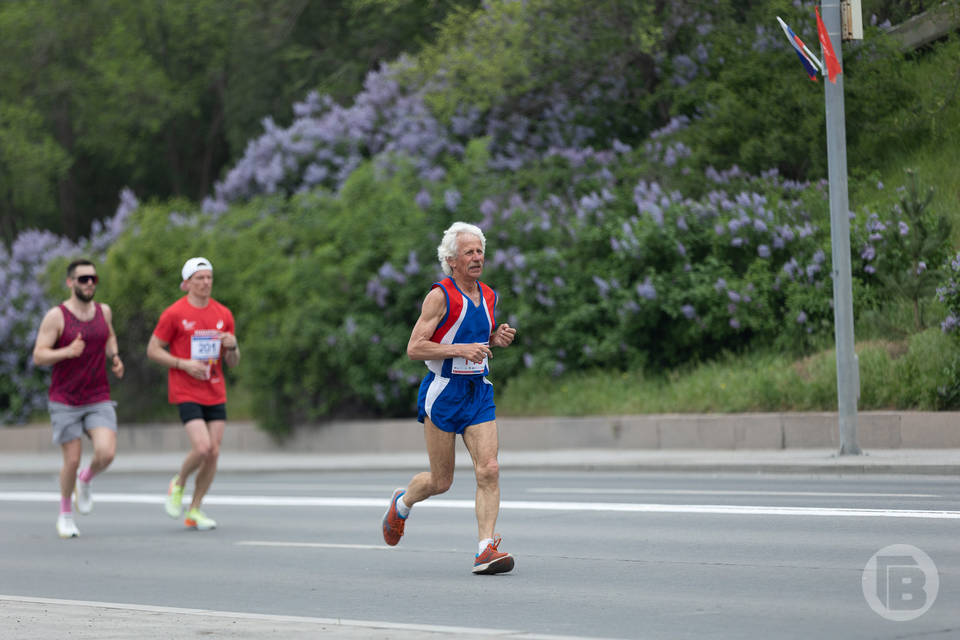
(455, 403)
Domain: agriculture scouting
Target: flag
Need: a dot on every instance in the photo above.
(829, 57)
(809, 61)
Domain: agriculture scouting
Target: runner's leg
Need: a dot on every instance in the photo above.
(71, 462)
(482, 443)
(208, 461)
(104, 448)
(441, 449)
(199, 447)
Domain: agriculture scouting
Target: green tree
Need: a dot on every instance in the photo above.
(31, 163)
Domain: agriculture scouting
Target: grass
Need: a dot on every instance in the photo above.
(916, 373)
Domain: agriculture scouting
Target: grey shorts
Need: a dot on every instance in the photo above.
(70, 422)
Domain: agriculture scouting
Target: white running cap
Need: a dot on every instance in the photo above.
(193, 265)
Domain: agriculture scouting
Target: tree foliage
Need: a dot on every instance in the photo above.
(160, 95)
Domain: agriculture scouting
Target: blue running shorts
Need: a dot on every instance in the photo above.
(455, 403)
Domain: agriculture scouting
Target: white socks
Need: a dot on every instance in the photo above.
(483, 544)
(402, 509)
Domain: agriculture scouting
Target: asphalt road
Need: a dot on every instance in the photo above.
(599, 554)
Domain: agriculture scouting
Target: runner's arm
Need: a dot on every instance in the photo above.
(44, 353)
(112, 350)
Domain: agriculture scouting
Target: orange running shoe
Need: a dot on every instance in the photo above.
(392, 521)
(492, 560)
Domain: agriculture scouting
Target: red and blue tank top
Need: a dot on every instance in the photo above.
(464, 323)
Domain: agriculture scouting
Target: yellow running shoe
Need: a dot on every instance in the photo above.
(174, 498)
(199, 520)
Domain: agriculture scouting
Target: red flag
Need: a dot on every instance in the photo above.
(829, 57)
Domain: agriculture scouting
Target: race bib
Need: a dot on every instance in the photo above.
(205, 347)
(464, 367)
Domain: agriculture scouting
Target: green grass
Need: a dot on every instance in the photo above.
(917, 373)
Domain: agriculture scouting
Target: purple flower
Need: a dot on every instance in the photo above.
(423, 199)
(646, 290)
(734, 323)
(602, 285)
(801, 317)
(904, 229)
(451, 198)
(688, 311)
(868, 253)
(763, 251)
(949, 324)
(527, 360)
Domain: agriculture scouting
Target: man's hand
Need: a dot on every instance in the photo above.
(195, 368)
(503, 335)
(117, 366)
(475, 352)
(75, 348)
(227, 340)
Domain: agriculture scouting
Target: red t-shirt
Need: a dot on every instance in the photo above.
(191, 333)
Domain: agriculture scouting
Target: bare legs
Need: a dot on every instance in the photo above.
(482, 443)
(104, 449)
(205, 442)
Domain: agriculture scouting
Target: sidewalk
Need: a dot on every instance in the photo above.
(890, 461)
(893, 442)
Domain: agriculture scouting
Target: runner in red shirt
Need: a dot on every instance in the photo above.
(193, 338)
(77, 339)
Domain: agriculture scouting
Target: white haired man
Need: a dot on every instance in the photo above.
(453, 335)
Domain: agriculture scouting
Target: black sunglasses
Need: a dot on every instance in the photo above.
(88, 279)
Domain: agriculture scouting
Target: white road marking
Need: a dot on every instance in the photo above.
(298, 486)
(342, 622)
(311, 545)
(439, 503)
(725, 492)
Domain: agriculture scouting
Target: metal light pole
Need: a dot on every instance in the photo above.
(848, 376)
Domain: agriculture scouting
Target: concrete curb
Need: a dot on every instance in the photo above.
(895, 443)
(752, 431)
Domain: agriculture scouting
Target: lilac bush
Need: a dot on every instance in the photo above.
(24, 279)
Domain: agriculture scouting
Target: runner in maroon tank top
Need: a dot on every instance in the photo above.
(77, 339)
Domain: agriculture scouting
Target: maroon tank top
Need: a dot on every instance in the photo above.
(83, 380)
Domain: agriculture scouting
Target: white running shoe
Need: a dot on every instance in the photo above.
(82, 498)
(65, 526)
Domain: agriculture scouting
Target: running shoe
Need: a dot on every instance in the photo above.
(65, 526)
(82, 498)
(174, 498)
(392, 521)
(199, 520)
(492, 560)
